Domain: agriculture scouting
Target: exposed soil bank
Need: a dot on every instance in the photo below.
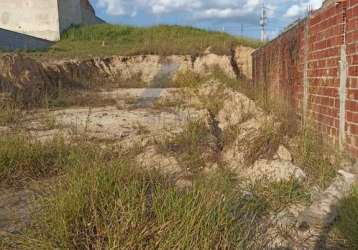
(33, 77)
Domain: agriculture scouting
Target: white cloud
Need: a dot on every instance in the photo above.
(206, 8)
(300, 8)
(209, 8)
(166, 6)
(117, 7)
(294, 11)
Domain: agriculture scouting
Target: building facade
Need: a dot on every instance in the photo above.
(27, 24)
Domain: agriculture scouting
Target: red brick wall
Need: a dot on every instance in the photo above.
(326, 35)
(280, 67)
(352, 83)
(276, 67)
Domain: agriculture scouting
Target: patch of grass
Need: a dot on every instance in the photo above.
(280, 195)
(193, 147)
(118, 206)
(10, 113)
(264, 144)
(50, 122)
(109, 40)
(76, 98)
(347, 223)
(313, 155)
(188, 79)
(141, 129)
(230, 134)
(212, 100)
(22, 158)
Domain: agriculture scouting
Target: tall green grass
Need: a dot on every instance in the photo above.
(319, 160)
(348, 219)
(118, 206)
(23, 158)
(106, 40)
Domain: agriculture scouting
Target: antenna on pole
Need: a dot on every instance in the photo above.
(263, 22)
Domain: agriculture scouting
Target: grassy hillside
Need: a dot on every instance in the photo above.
(106, 39)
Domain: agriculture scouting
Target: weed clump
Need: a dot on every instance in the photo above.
(264, 144)
(348, 219)
(10, 113)
(118, 206)
(280, 195)
(312, 154)
(22, 158)
(194, 147)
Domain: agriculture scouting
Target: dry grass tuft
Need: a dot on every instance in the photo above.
(194, 147)
(319, 161)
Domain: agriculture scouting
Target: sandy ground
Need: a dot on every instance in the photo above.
(134, 115)
(126, 123)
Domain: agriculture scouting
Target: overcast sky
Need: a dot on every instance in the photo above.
(228, 15)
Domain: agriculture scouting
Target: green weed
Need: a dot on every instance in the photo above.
(347, 223)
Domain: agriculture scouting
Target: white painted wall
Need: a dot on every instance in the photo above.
(23, 21)
(37, 18)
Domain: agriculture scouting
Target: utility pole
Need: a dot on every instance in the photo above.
(263, 23)
(242, 29)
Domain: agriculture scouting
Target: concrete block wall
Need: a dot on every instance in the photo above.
(314, 66)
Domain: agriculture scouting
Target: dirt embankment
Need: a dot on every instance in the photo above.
(22, 74)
